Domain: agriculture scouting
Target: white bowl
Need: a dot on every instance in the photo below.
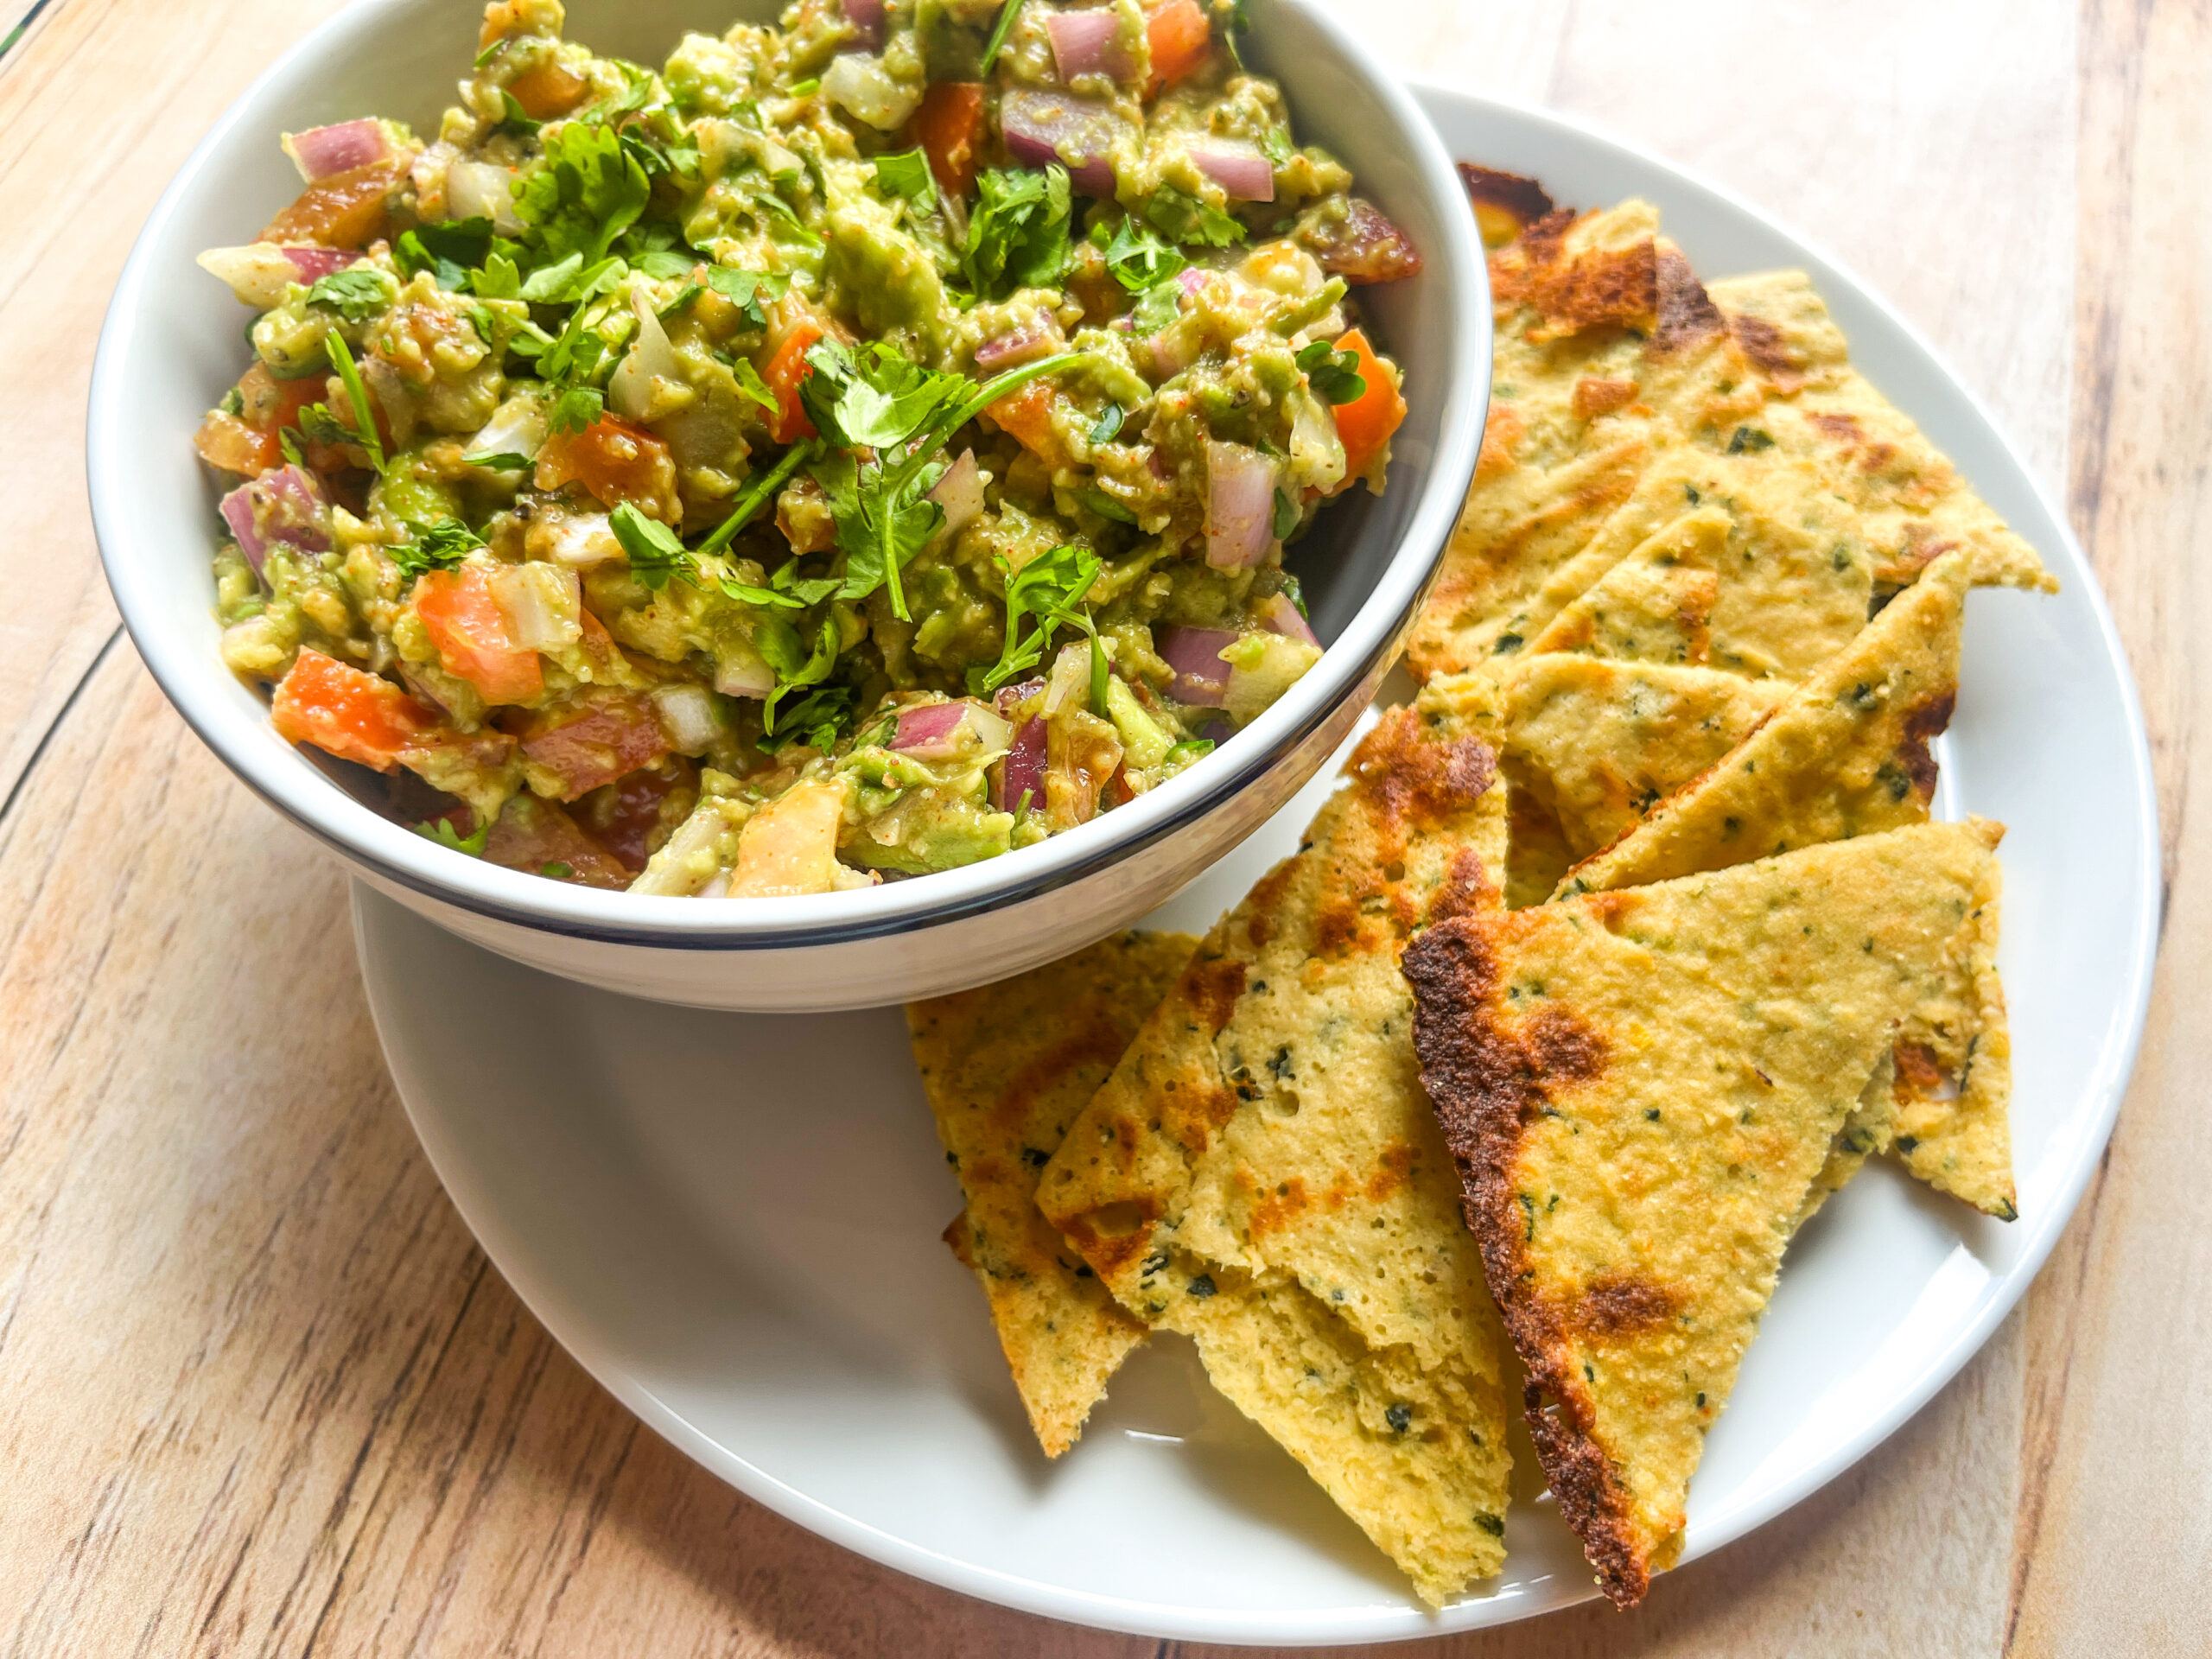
(171, 346)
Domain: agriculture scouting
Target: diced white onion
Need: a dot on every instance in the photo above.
(480, 190)
(859, 83)
(651, 358)
(542, 605)
(688, 717)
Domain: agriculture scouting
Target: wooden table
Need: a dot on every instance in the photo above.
(260, 1392)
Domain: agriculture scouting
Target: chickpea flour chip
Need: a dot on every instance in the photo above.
(1263, 1174)
(1640, 1088)
(1007, 1068)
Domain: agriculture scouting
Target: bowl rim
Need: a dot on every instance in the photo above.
(387, 850)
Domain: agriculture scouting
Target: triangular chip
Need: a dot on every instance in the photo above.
(1656, 605)
(1601, 743)
(1007, 1068)
(1536, 851)
(1869, 1129)
(1263, 1173)
(1845, 753)
(1640, 1088)
(1911, 501)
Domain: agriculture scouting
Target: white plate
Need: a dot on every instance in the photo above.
(733, 1221)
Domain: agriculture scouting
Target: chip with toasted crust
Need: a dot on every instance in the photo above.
(1639, 1088)
(1263, 1174)
(1007, 1068)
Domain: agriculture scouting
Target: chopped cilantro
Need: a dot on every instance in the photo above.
(1186, 219)
(907, 175)
(1046, 590)
(1107, 507)
(806, 88)
(446, 251)
(754, 499)
(556, 870)
(440, 545)
(1109, 424)
(442, 831)
(587, 192)
(517, 119)
(749, 291)
(1156, 307)
(1287, 516)
(505, 461)
(577, 408)
(656, 551)
(355, 294)
(1139, 259)
(1019, 235)
(999, 32)
(796, 665)
(818, 720)
(1335, 375)
(317, 421)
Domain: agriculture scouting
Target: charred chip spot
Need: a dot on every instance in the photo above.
(1562, 1048)
(1405, 781)
(1213, 988)
(1259, 930)
(1923, 722)
(1397, 1168)
(1465, 887)
(1596, 395)
(1505, 204)
(1770, 353)
(1096, 1046)
(1622, 1306)
(1918, 1070)
(1686, 312)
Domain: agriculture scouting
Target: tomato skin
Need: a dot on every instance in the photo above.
(785, 370)
(348, 712)
(346, 210)
(548, 90)
(470, 631)
(1180, 41)
(1026, 414)
(616, 461)
(246, 442)
(1365, 424)
(950, 129)
(229, 445)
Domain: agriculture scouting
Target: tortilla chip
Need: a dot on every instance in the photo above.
(1007, 1068)
(1600, 743)
(1911, 501)
(1869, 1129)
(1537, 854)
(1606, 346)
(1639, 1088)
(1263, 1173)
(1845, 753)
(1656, 605)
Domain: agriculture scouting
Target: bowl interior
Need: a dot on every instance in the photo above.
(174, 343)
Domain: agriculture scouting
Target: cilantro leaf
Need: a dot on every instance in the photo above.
(1139, 259)
(505, 461)
(577, 408)
(1047, 589)
(517, 119)
(446, 251)
(907, 175)
(1000, 30)
(442, 831)
(750, 384)
(1018, 237)
(1184, 218)
(1156, 307)
(1334, 374)
(588, 191)
(749, 291)
(1107, 507)
(1109, 424)
(1286, 516)
(758, 497)
(656, 551)
(569, 281)
(363, 429)
(796, 665)
(875, 398)
(818, 720)
(439, 545)
(356, 295)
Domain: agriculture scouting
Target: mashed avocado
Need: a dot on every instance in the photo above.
(861, 448)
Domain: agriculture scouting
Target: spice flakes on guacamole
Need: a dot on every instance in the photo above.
(862, 447)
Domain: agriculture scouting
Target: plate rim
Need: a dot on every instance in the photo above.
(2097, 1115)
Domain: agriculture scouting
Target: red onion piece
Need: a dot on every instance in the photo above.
(1078, 133)
(1240, 506)
(321, 151)
(312, 265)
(866, 18)
(1236, 166)
(931, 732)
(1036, 338)
(1022, 771)
(1365, 247)
(1217, 732)
(1278, 615)
(1086, 43)
(237, 509)
(1201, 677)
(1191, 278)
(960, 492)
(280, 506)
(1011, 697)
(261, 272)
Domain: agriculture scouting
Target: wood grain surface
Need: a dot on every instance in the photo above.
(260, 1392)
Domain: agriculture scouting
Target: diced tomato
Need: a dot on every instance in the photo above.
(790, 845)
(346, 210)
(469, 629)
(269, 402)
(1026, 414)
(1180, 40)
(228, 444)
(349, 713)
(538, 837)
(615, 460)
(950, 129)
(246, 442)
(549, 89)
(784, 372)
(601, 736)
(1365, 424)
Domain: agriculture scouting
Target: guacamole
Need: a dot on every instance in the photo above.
(861, 446)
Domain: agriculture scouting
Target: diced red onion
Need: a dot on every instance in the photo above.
(1022, 771)
(960, 492)
(1191, 278)
(480, 190)
(321, 151)
(261, 272)
(1011, 697)
(1201, 677)
(1240, 506)
(1238, 167)
(931, 732)
(1078, 133)
(1217, 732)
(280, 506)
(1036, 338)
(866, 18)
(1088, 43)
(1278, 615)
(237, 509)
